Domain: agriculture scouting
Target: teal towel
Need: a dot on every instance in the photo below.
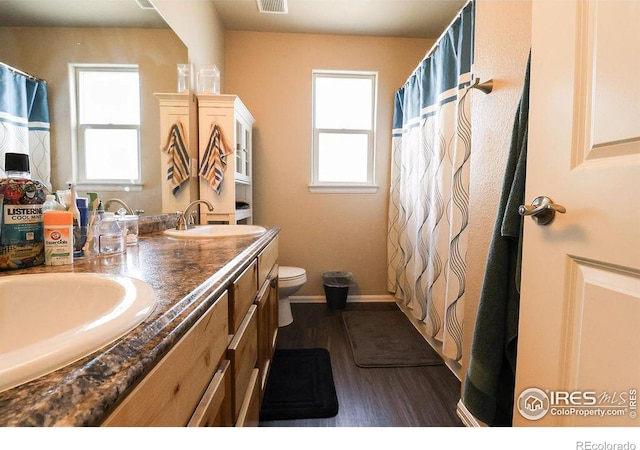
(489, 384)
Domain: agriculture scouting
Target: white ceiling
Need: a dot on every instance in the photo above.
(398, 18)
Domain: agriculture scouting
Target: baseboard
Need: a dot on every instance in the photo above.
(382, 298)
(467, 418)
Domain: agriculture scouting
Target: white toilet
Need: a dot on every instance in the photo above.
(290, 279)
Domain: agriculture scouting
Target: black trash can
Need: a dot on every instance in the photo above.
(336, 288)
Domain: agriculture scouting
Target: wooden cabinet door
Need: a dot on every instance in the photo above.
(267, 304)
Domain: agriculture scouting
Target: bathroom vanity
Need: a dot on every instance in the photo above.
(200, 359)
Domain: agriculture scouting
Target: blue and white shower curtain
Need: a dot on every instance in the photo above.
(24, 121)
(428, 206)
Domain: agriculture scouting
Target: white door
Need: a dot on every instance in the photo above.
(579, 337)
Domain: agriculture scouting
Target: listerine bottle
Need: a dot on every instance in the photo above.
(21, 225)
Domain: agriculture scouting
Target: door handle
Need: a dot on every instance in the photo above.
(542, 210)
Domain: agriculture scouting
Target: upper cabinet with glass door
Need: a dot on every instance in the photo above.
(243, 150)
(225, 152)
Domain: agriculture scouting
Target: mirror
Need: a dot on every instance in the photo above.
(98, 32)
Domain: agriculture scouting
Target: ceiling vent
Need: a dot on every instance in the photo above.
(145, 4)
(273, 6)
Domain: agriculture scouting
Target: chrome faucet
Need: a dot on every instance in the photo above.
(118, 201)
(183, 221)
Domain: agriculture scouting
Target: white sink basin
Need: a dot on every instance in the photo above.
(50, 320)
(213, 231)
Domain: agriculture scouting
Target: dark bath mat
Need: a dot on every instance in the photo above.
(300, 386)
(387, 339)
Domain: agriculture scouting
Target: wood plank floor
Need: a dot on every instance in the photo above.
(370, 397)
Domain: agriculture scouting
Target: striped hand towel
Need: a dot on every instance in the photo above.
(214, 161)
(176, 148)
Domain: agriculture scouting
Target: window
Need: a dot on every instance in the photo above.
(344, 116)
(107, 125)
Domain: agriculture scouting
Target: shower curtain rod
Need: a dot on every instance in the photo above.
(18, 71)
(437, 42)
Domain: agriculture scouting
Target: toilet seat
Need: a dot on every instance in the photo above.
(291, 275)
(290, 272)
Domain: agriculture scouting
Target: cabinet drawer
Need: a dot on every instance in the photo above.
(250, 410)
(214, 410)
(170, 393)
(243, 355)
(243, 294)
(266, 260)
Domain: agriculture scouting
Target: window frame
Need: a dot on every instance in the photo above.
(78, 131)
(369, 186)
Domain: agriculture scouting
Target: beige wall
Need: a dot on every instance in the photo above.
(502, 42)
(271, 72)
(46, 52)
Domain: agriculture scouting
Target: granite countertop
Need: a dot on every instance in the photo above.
(187, 276)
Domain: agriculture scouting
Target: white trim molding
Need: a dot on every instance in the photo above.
(343, 189)
(467, 418)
